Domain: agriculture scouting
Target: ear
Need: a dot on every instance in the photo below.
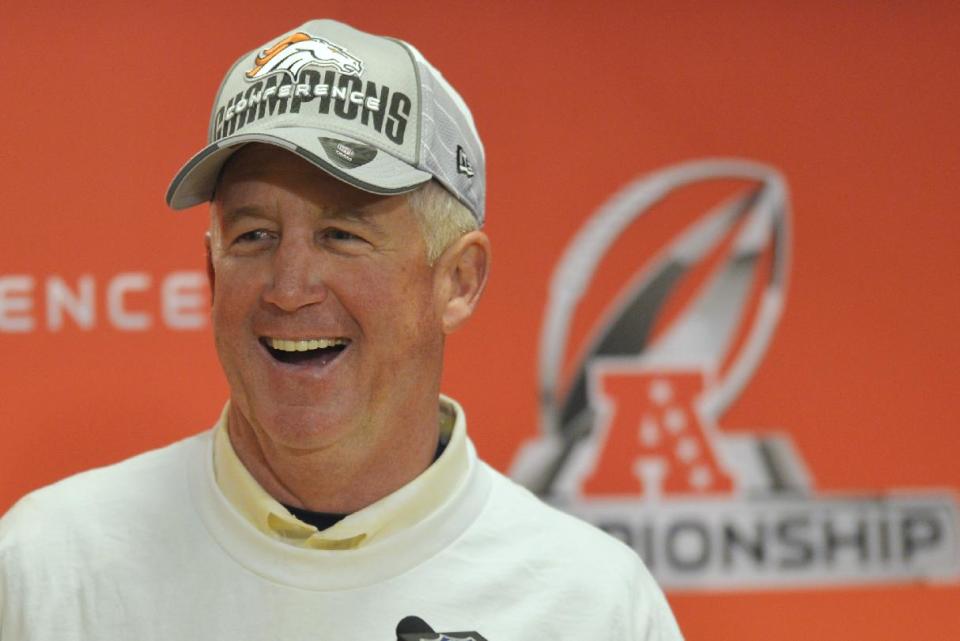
(462, 274)
(211, 276)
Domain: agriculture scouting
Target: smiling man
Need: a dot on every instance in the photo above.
(329, 321)
(338, 496)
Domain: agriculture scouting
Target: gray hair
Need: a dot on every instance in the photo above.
(443, 219)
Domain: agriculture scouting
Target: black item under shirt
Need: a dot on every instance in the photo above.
(320, 520)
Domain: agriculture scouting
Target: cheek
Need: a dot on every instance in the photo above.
(416, 316)
(399, 304)
(235, 295)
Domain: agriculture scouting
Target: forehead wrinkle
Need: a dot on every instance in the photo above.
(329, 212)
(323, 195)
(232, 216)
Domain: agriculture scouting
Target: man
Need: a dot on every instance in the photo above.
(338, 496)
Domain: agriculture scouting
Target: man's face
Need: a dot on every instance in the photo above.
(302, 260)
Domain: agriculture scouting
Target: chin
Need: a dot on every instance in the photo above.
(303, 427)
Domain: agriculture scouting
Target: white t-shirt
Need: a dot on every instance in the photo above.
(151, 548)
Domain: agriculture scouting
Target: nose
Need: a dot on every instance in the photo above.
(297, 276)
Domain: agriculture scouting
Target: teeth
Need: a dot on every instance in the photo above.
(305, 345)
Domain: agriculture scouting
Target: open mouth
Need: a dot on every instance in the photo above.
(311, 351)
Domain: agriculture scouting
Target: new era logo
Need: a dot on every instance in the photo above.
(463, 163)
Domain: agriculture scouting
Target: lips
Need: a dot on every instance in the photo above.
(312, 351)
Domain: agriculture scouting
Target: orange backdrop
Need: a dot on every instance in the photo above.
(855, 103)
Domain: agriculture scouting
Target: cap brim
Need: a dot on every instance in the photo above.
(382, 174)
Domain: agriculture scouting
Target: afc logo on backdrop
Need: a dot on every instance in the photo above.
(631, 441)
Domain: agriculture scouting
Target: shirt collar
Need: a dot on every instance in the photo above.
(404, 507)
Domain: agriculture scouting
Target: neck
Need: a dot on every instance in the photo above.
(344, 476)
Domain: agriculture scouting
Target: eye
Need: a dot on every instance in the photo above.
(340, 241)
(253, 236)
(334, 233)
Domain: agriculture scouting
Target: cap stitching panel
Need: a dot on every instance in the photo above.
(439, 167)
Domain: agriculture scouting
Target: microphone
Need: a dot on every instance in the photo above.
(413, 628)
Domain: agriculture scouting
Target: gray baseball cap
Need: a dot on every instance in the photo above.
(369, 110)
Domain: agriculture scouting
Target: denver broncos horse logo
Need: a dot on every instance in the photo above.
(295, 52)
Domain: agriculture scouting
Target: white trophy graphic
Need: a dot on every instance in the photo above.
(630, 438)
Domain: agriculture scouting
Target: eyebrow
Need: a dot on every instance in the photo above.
(358, 216)
(235, 215)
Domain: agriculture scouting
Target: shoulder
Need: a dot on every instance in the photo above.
(99, 534)
(90, 503)
(515, 505)
(574, 561)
